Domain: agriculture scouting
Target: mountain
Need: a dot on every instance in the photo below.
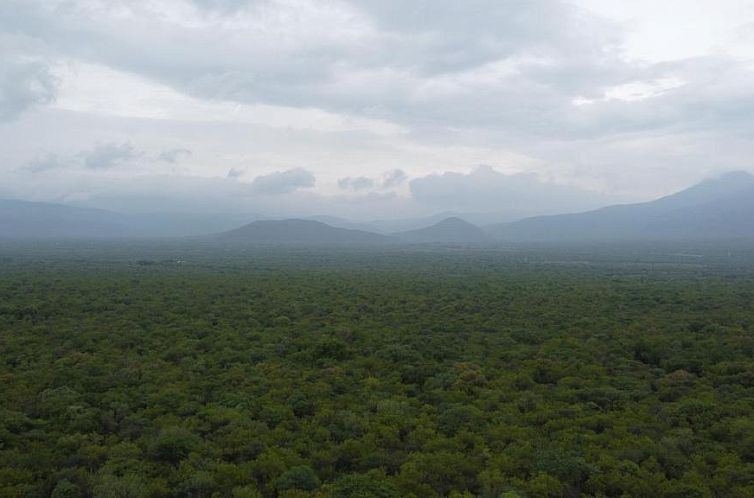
(21, 219)
(41, 220)
(450, 231)
(337, 222)
(300, 232)
(721, 208)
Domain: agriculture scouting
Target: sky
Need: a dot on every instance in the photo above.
(371, 109)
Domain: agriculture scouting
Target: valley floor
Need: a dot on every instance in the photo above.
(163, 369)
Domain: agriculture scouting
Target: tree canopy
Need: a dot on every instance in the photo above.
(419, 374)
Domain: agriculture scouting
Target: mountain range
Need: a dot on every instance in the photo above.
(448, 231)
(720, 208)
(300, 232)
(716, 209)
(41, 220)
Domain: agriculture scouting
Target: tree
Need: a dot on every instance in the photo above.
(173, 444)
(66, 489)
(126, 486)
(364, 486)
(300, 477)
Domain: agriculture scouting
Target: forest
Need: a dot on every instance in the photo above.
(159, 370)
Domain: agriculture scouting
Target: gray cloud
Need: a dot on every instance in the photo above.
(539, 79)
(234, 173)
(102, 156)
(282, 182)
(393, 178)
(46, 163)
(173, 155)
(494, 66)
(222, 6)
(24, 84)
(491, 65)
(486, 63)
(355, 183)
(106, 156)
(389, 179)
(487, 190)
(187, 194)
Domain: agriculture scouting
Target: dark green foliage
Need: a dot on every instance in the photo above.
(66, 489)
(173, 445)
(126, 486)
(379, 375)
(364, 486)
(300, 477)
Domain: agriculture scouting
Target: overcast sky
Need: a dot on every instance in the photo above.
(371, 108)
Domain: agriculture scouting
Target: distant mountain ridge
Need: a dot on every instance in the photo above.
(298, 231)
(451, 230)
(23, 219)
(721, 208)
(42, 220)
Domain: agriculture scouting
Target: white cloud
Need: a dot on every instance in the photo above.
(678, 29)
(100, 157)
(282, 182)
(393, 178)
(46, 163)
(105, 156)
(173, 155)
(97, 89)
(25, 82)
(234, 173)
(635, 91)
(585, 92)
(388, 180)
(487, 190)
(355, 183)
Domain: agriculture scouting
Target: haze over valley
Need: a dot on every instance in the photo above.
(718, 209)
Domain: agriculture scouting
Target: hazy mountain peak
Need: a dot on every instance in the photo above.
(449, 230)
(719, 208)
(725, 185)
(299, 231)
(736, 176)
(727, 182)
(454, 221)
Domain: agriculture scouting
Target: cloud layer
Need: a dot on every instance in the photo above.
(23, 84)
(506, 65)
(487, 190)
(282, 182)
(368, 94)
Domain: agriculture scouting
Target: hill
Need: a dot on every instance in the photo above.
(303, 232)
(22, 219)
(42, 220)
(721, 208)
(450, 230)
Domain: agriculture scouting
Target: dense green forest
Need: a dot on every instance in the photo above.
(189, 372)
